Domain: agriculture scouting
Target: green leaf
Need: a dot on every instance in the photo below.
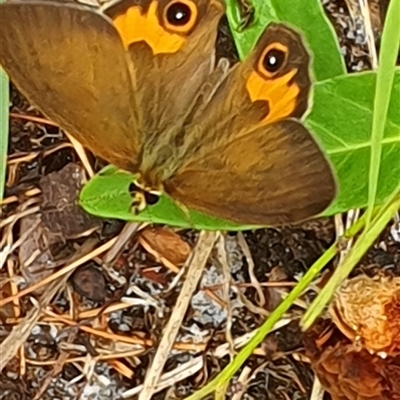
(341, 118)
(308, 17)
(115, 202)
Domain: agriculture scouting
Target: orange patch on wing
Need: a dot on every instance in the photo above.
(281, 96)
(133, 26)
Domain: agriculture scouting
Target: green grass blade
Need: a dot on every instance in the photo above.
(364, 242)
(384, 84)
(4, 96)
(227, 373)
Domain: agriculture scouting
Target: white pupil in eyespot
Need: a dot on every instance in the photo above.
(178, 14)
(273, 60)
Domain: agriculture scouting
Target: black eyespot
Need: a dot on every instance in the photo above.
(179, 14)
(151, 198)
(133, 188)
(274, 60)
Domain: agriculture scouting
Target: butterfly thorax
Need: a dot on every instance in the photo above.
(150, 181)
(158, 161)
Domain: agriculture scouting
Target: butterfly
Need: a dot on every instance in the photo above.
(137, 83)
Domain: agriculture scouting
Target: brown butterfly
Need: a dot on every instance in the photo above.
(136, 83)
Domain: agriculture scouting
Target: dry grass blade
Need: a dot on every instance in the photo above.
(195, 268)
(366, 15)
(69, 268)
(243, 379)
(20, 333)
(127, 232)
(318, 391)
(223, 259)
(82, 155)
(57, 369)
(169, 378)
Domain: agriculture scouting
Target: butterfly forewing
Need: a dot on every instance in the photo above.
(172, 57)
(69, 61)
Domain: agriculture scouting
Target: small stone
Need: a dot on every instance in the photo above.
(89, 282)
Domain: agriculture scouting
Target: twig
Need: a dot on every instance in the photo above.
(246, 251)
(242, 381)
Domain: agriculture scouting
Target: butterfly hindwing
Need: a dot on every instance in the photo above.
(271, 175)
(246, 157)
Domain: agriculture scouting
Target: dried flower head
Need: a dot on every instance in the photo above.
(367, 311)
(351, 374)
